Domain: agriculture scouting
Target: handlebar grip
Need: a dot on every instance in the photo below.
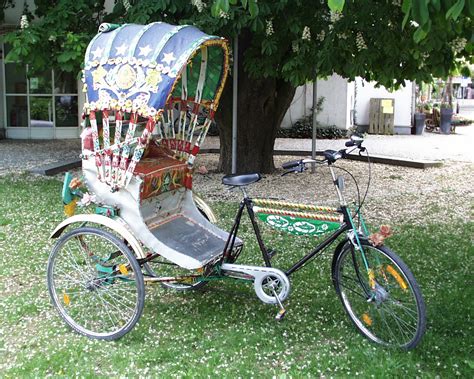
(350, 143)
(291, 164)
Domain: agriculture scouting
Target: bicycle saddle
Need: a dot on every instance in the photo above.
(241, 179)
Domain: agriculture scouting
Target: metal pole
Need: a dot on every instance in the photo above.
(315, 102)
(234, 104)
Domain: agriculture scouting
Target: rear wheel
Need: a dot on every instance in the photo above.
(95, 283)
(384, 303)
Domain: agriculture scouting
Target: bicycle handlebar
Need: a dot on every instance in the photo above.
(330, 156)
(291, 164)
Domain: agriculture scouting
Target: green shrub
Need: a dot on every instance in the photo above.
(303, 128)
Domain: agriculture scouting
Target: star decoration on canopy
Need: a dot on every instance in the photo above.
(168, 58)
(121, 49)
(97, 53)
(145, 50)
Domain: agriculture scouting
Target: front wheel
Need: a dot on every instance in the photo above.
(384, 302)
(95, 283)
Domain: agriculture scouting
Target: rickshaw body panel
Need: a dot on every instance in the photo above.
(150, 220)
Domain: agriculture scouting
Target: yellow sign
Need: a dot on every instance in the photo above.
(387, 110)
(386, 103)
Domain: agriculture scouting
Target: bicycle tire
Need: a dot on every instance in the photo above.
(387, 309)
(95, 283)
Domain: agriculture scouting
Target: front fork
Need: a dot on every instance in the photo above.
(354, 233)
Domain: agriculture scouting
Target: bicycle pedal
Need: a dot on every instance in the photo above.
(281, 313)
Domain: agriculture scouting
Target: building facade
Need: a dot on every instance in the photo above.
(347, 103)
(35, 106)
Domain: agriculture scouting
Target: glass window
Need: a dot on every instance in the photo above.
(34, 93)
(66, 111)
(65, 82)
(41, 111)
(15, 78)
(17, 111)
(41, 82)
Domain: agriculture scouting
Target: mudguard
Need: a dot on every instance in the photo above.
(113, 224)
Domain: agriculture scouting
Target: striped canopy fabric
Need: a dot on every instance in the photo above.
(160, 80)
(137, 67)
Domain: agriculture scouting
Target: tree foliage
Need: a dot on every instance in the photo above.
(379, 40)
(283, 43)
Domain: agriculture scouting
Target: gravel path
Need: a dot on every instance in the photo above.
(429, 146)
(23, 155)
(397, 194)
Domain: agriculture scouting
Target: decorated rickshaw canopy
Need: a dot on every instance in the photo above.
(140, 68)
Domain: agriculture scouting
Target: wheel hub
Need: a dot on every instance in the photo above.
(380, 293)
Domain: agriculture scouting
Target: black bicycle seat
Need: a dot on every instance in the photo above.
(237, 180)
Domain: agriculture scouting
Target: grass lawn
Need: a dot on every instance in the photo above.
(224, 330)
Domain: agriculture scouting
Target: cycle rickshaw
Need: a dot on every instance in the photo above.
(152, 92)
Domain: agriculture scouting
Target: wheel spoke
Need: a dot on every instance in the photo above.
(98, 304)
(396, 318)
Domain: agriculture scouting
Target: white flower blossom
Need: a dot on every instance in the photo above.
(342, 35)
(126, 4)
(306, 36)
(224, 15)
(24, 23)
(335, 17)
(360, 42)
(199, 4)
(458, 44)
(269, 30)
(397, 3)
(295, 46)
(52, 38)
(320, 36)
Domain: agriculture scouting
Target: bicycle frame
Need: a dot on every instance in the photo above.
(346, 225)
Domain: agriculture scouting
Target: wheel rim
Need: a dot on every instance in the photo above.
(94, 286)
(384, 307)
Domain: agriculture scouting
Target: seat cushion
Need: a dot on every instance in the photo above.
(241, 179)
(160, 173)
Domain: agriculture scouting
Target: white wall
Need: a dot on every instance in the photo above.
(339, 97)
(337, 105)
(403, 102)
(300, 106)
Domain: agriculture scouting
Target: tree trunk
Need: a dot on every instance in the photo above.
(262, 104)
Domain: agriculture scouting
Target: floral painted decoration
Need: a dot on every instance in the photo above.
(87, 199)
(75, 183)
(377, 239)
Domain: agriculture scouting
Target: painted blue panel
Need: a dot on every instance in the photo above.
(135, 66)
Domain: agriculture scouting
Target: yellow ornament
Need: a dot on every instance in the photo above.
(153, 77)
(99, 74)
(70, 209)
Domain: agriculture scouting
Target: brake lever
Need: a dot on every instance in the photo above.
(289, 172)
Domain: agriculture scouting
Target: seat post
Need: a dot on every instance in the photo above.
(244, 191)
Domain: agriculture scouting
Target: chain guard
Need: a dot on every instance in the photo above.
(263, 279)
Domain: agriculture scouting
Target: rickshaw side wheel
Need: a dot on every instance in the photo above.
(95, 283)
